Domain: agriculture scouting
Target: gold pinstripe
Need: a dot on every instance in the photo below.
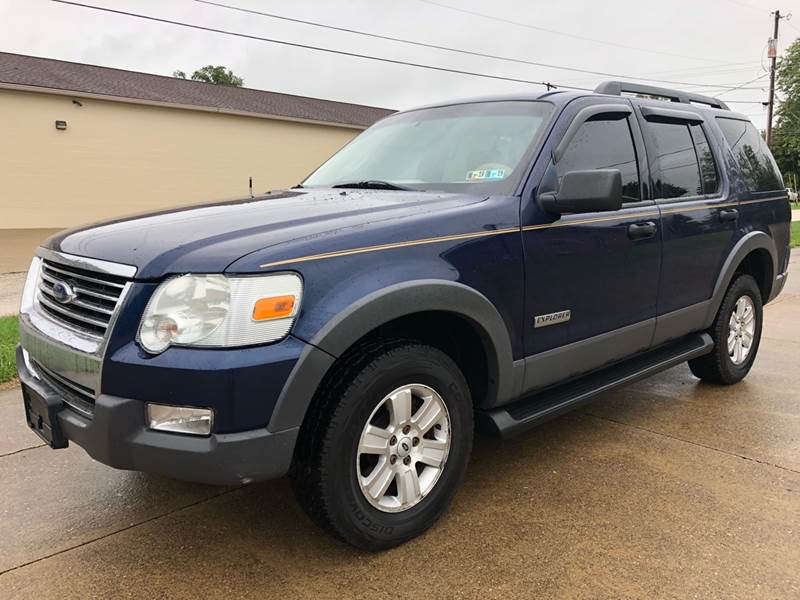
(364, 249)
(482, 234)
(569, 223)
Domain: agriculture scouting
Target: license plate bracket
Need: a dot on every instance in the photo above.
(41, 413)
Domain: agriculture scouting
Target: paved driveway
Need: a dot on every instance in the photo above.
(669, 488)
(10, 291)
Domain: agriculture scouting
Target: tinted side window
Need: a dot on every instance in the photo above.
(604, 143)
(750, 151)
(708, 167)
(676, 159)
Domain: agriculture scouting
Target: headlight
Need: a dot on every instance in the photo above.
(219, 311)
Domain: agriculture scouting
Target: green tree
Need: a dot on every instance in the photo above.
(218, 75)
(786, 132)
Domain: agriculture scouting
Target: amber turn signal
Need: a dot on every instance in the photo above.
(275, 307)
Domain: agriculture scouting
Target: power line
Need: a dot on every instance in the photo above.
(746, 5)
(709, 68)
(548, 85)
(789, 23)
(682, 72)
(456, 50)
(723, 68)
(741, 87)
(564, 33)
(316, 48)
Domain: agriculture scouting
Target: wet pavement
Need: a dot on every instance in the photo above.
(10, 291)
(668, 488)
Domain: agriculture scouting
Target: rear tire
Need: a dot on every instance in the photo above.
(736, 333)
(364, 467)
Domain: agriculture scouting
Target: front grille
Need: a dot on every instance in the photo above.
(76, 396)
(96, 297)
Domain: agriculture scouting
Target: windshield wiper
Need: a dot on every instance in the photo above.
(370, 185)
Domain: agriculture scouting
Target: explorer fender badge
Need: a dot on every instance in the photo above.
(555, 318)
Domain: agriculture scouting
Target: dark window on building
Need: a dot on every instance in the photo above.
(676, 160)
(708, 167)
(604, 142)
(756, 164)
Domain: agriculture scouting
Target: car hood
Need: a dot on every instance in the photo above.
(207, 238)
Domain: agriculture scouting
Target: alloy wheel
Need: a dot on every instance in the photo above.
(741, 330)
(403, 448)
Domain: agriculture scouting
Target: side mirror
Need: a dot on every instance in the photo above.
(585, 191)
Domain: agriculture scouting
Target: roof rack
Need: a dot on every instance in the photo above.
(617, 88)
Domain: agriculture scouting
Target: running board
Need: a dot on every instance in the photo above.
(533, 410)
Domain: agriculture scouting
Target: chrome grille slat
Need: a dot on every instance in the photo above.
(47, 277)
(94, 294)
(62, 322)
(72, 314)
(94, 307)
(87, 305)
(94, 303)
(82, 290)
(49, 266)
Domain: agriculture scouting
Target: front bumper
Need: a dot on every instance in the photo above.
(117, 435)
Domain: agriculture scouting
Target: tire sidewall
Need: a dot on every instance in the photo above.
(407, 365)
(744, 285)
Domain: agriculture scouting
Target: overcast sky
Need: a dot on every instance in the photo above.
(707, 42)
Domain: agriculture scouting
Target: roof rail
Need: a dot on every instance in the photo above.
(616, 88)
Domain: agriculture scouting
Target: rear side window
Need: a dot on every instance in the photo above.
(677, 165)
(756, 164)
(708, 168)
(604, 142)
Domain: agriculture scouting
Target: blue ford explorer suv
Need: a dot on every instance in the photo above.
(497, 261)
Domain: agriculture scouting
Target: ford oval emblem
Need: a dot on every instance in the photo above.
(63, 292)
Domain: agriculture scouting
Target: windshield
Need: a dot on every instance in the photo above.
(481, 147)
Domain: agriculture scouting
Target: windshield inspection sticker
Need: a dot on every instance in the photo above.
(486, 174)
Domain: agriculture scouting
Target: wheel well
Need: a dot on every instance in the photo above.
(450, 333)
(758, 264)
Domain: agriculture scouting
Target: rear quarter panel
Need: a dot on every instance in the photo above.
(768, 212)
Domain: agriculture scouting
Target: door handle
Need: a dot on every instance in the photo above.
(728, 214)
(641, 231)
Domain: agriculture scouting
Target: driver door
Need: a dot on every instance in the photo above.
(591, 278)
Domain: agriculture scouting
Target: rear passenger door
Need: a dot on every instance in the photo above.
(697, 220)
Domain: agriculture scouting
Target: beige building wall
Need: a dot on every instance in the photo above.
(117, 158)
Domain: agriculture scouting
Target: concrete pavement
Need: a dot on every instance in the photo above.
(668, 488)
(10, 290)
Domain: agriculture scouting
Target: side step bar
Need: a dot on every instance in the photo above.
(533, 410)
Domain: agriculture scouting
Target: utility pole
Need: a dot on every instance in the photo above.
(773, 54)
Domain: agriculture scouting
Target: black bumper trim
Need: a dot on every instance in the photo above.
(117, 436)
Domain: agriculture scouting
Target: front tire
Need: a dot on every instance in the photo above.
(386, 444)
(736, 333)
